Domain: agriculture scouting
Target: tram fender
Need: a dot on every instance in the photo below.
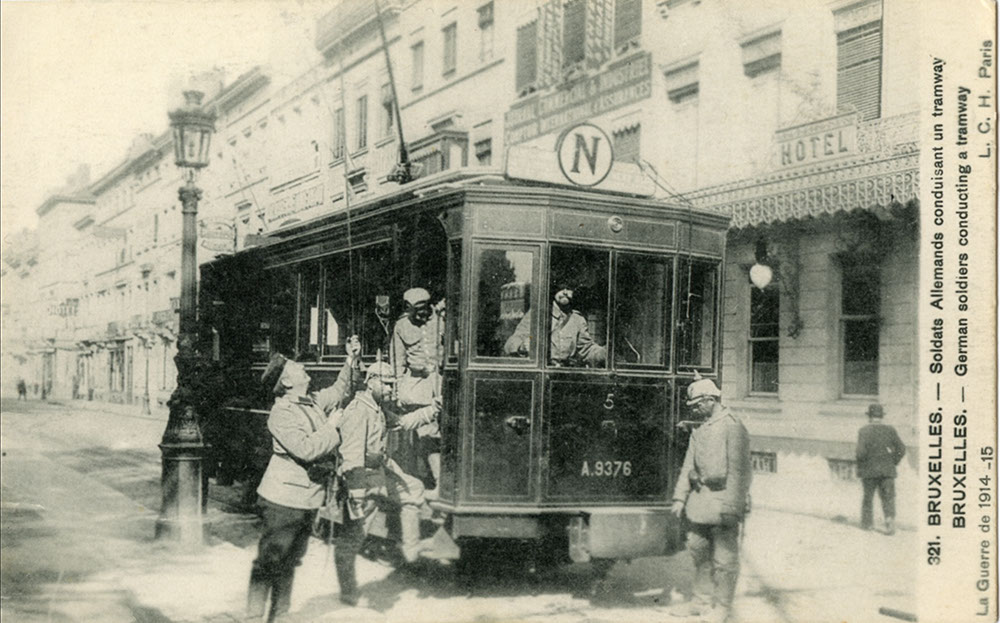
(618, 533)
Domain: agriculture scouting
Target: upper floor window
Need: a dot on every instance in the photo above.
(485, 14)
(574, 32)
(338, 134)
(859, 69)
(448, 63)
(387, 112)
(628, 22)
(761, 54)
(764, 308)
(484, 152)
(362, 119)
(527, 57)
(682, 82)
(859, 327)
(417, 66)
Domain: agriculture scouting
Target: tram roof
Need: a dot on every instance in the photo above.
(445, 186)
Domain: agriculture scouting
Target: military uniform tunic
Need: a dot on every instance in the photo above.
(715, 478)
(714, 482)
(416, 357)
(302, 430)
(570, 341)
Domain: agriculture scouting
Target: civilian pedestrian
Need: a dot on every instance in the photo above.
(878, 452)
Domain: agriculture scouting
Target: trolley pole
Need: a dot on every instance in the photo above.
(183, 448)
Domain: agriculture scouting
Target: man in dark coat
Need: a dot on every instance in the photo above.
(879, 451)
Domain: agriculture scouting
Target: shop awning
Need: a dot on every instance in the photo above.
(883, 173)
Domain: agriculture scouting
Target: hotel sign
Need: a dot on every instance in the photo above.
(625, 82)
(818, 141)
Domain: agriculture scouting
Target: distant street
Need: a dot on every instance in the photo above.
(80, 495)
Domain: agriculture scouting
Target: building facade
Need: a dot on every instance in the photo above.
(796, 119)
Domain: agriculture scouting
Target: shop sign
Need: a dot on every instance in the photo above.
(293, 203)
(217, 235)
(827, 139)
(625, 82)
(543, 165)
(585, 154)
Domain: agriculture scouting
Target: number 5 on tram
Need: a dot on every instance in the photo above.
(573, 321)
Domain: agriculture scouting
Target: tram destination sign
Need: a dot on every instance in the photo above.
(626, 81)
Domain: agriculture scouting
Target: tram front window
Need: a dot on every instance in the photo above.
(642, 310)
(504, 323)
(696, 313)
(578, 307)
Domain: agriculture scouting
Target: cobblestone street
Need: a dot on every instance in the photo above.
(80, 490)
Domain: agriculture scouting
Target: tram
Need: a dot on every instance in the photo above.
(575, 456)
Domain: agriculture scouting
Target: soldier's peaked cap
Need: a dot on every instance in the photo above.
(273, 370)
(415, 296)
(381, 370)
(702, 388)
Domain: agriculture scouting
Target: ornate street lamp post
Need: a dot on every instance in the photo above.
(182, 446)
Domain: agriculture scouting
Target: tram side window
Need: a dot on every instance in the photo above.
(308, 343)
(697, 293)
(379, 302)
(503, 327)
(578, 307)
(337, 304)
(642, 310)
(278, 327)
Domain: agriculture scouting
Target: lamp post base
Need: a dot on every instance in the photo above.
(182, 514)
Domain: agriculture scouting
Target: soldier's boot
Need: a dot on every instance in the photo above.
(890, 526)
(281, 595)
(696, 607)
(409, 523)
(346, 576)
(434, 460)
(257, 596)
(718, 614)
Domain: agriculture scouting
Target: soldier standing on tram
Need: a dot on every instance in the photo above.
(368, 473)
(416, 359)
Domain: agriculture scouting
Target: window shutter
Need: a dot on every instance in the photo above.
(527, 56)
(859, 69)
(628, 21)
(574, 32)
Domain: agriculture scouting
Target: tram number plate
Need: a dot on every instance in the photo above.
(607, 469)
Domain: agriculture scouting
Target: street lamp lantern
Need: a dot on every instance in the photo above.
(183, 448)
(193, 127)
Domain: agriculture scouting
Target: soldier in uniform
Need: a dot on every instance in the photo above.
(304, 431)
(416, 358)
(570, 342)
(367, 473)
(712, 492)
